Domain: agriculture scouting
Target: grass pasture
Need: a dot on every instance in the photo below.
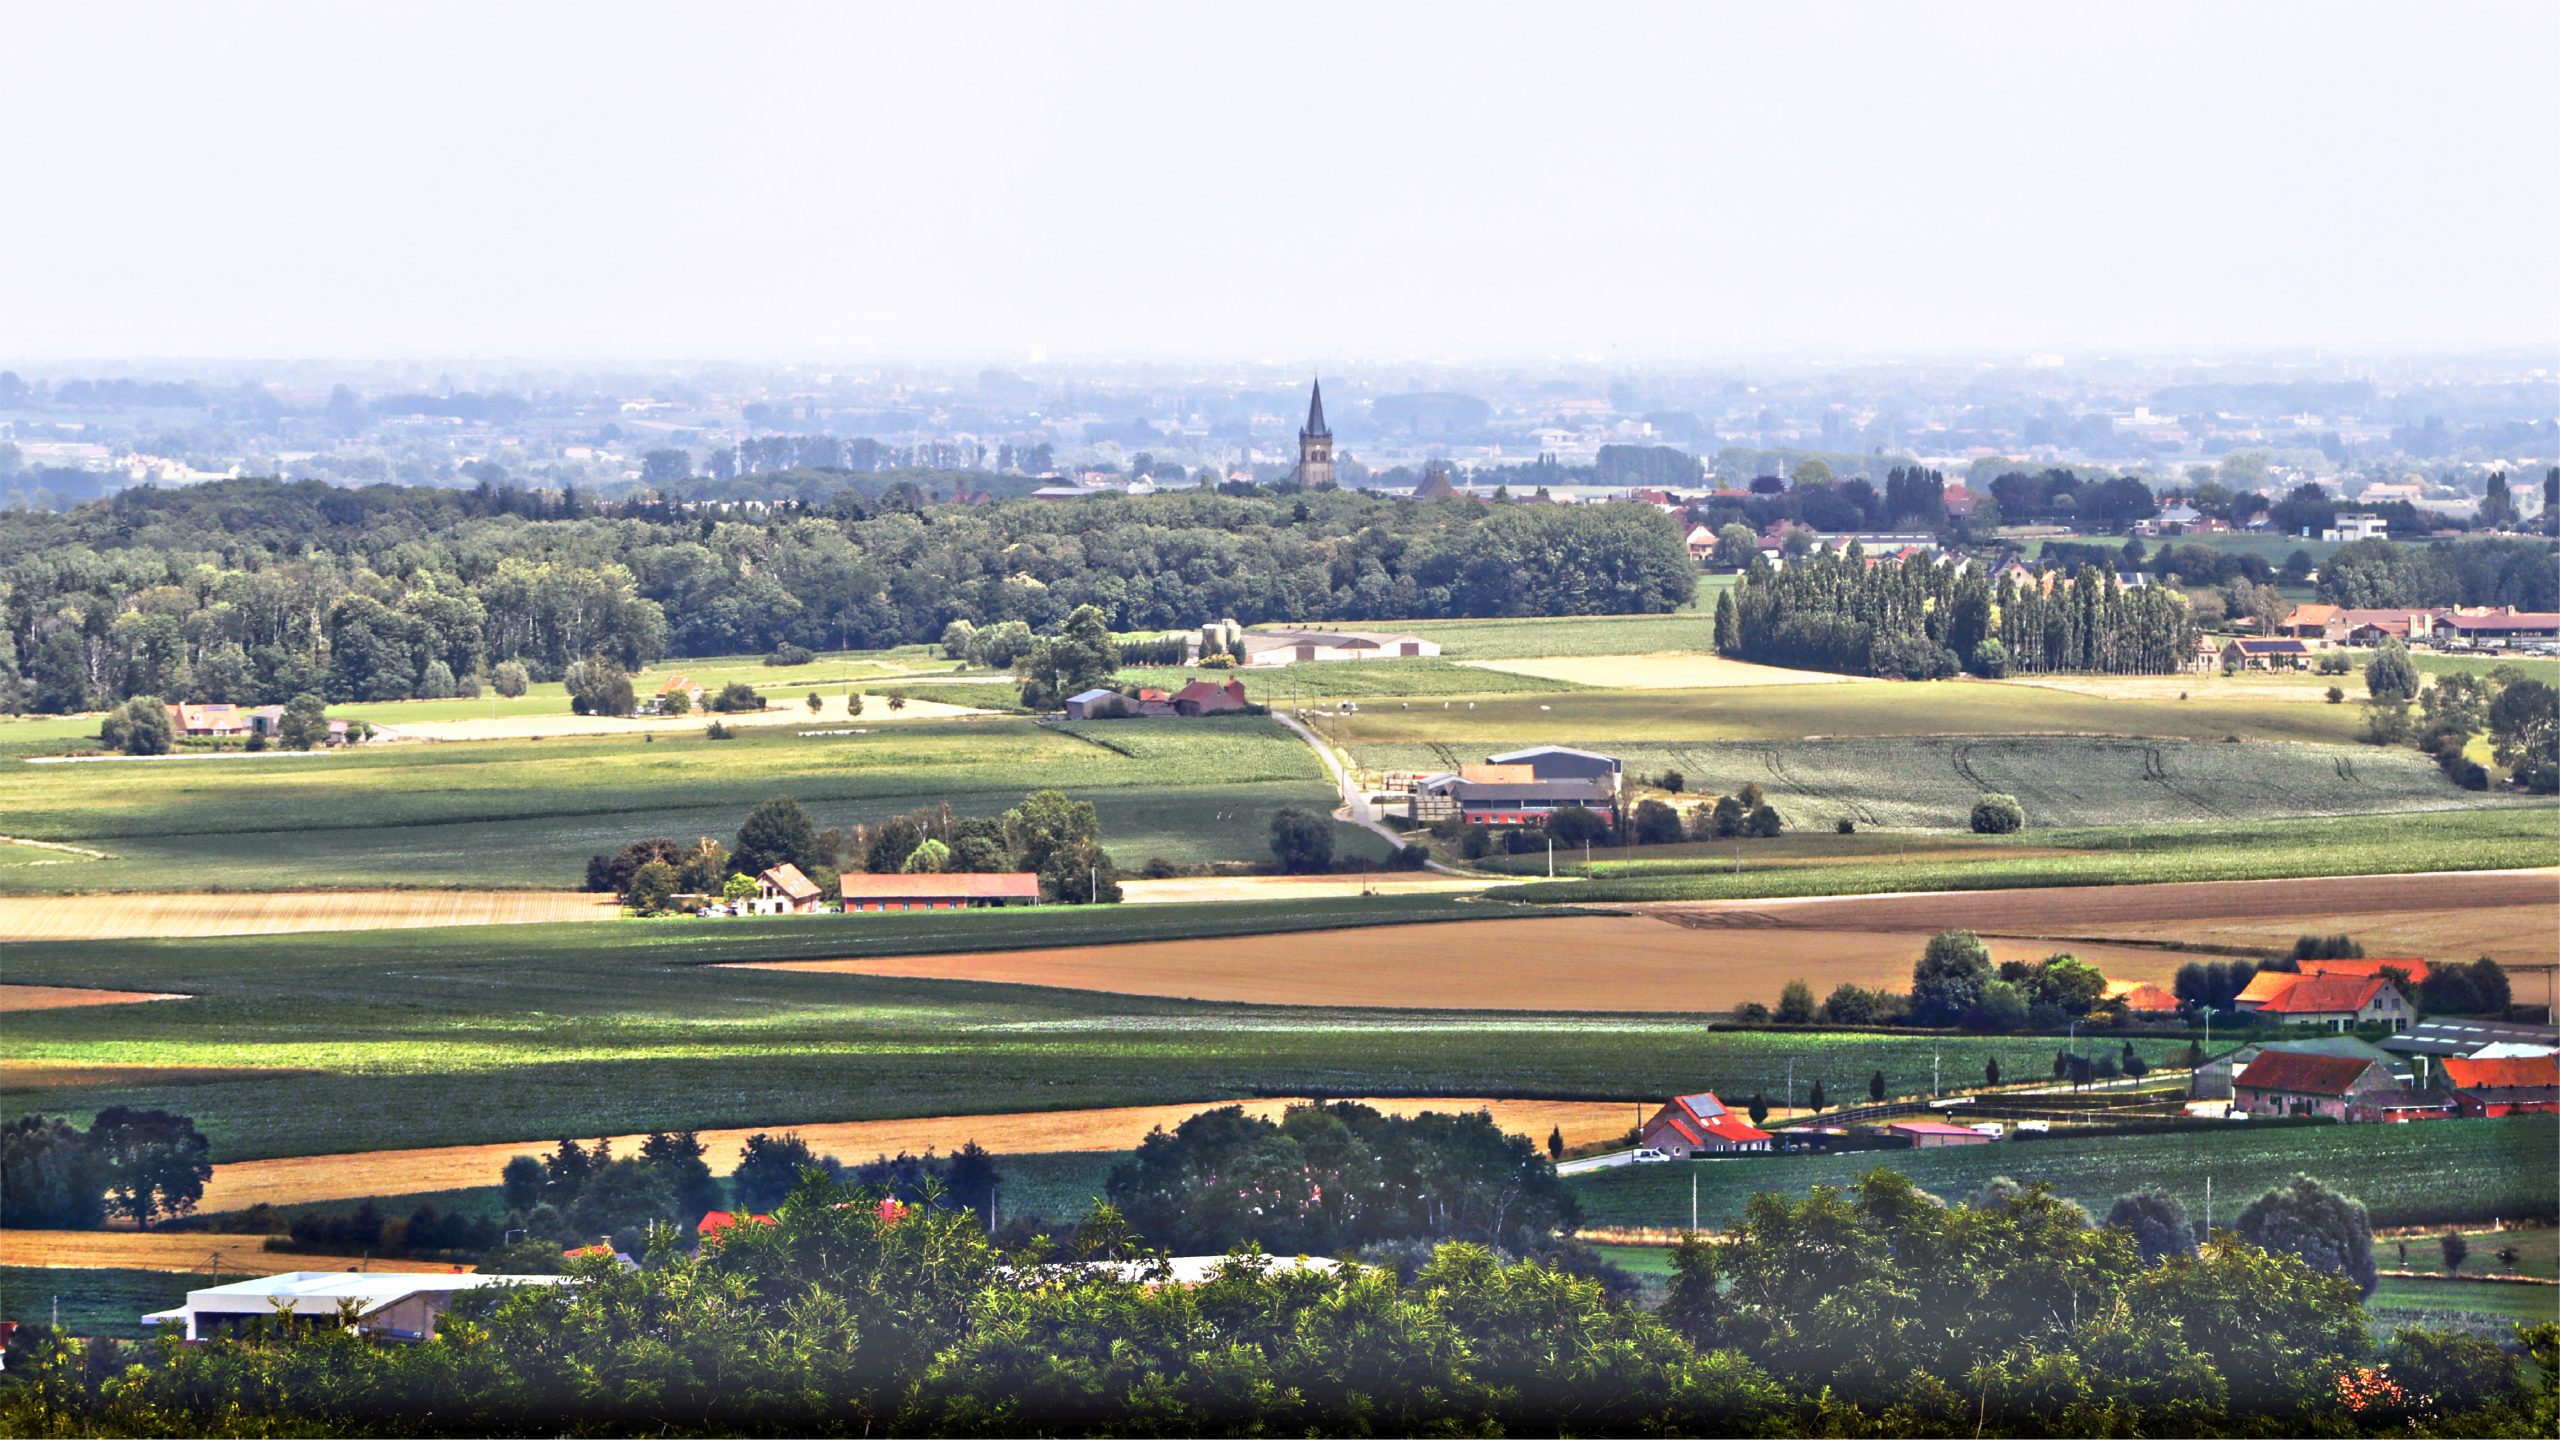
(2443, 1171)
(1540, 637)
(1360, 680)
(502, 814)
(2514, 836)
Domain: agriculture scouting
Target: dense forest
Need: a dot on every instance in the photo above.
(1922, 619)
(257, 590)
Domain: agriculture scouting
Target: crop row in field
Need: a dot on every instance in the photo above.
(93, 1303)
(2513, 836)
(523, 1032)
(2446, 1171)
(1928, 783)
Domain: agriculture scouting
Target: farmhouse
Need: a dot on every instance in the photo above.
(2337, 1001)
(783, 890)
(1264, 648)
(1201, 697)
(2266, 654)
(208, 719)
(2519, 1085)
(2341, 1087)
(1524, 787)
(2212, 1080)
(1692, 1125)
(1934, 1134)
(382, 1305)
(938, 892)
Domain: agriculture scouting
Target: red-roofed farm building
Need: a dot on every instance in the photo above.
(1699, 1124)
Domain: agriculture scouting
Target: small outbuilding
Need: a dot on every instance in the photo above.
(1935, 1134)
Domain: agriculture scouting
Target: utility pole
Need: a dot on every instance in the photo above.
(1791, 1082)
(1551, 857)
(1933, 1071)
(2208, 1204)
(1693, 1201)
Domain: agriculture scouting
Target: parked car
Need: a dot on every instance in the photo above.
(1649, 1156)
(1987, 1127)
(2035, 1127)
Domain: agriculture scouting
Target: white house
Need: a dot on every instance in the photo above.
(385, 1304)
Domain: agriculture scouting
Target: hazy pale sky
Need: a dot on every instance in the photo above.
(1324, 182)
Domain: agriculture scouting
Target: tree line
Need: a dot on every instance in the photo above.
(254, 591)
(1876, 1309)
(1920, 619)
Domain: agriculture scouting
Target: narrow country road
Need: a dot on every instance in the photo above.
(1355, 804)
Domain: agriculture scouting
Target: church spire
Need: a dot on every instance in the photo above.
(1315, 412)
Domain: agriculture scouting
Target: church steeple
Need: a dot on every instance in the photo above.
(1315, 447)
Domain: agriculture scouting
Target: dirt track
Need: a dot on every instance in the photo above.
(181, 1252)
(396, 1172)
(170, 916)
(65, 997)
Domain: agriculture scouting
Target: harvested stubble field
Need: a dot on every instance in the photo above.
(1687, 671)
(2435, 1172)
(303, 1179)
(188, 1252)
(115, 917)
(1629, 964)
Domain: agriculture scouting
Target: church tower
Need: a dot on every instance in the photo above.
(1315, 447)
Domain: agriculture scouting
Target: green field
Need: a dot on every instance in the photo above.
(1538, 638)
(1929, 783)
(2537, 1252)
(2452, 1170)
(2518, 835)
(511, 813)
(1294, 685)
(2526, 1304)
(94, 1302)
(521, 1033)
(1614, 719)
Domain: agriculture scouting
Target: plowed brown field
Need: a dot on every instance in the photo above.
(1593, 963)
(65, 997)
(396, 1172)
(20, 1076)
(182, 1253)
(131, 917)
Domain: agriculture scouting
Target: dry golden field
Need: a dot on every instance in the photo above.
(392, 1172)
(183, 1253)
(170, 916)
(1678, 670)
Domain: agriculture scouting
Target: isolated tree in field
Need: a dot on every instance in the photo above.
(1950, 978)
(652, 888)
(955, 639)
(776, 832)
(2524, 733)
(2455, 1250)
(2508, 1257)
(676, 702)
(816, 702)
(1875, 1087)
(1991, 1071)
(1726, 820)
(2391, 674)
(1795, 1003)
(736, 698)
(140, 726)
(155, 1163)
(2157, 1223)
(1302, 841)
(598, 686)
(1763, 823)
(1817, 1100)
(1047, 822)
(1997, 814)
(1759, 1108)
(1674, 782)
(509, 679)
(305, 725)
(853, 703)
(1555, 1143)
(2306, 1218)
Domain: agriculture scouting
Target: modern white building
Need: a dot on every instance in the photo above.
(383, 1304)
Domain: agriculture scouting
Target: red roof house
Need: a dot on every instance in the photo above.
(715, 1222)
(207, 719)
(2341, 1001)
(2409, 965)
(1203, 698)
(2295, 1082)
(783, 890)
(2523, 1085)
(1690, 1125)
